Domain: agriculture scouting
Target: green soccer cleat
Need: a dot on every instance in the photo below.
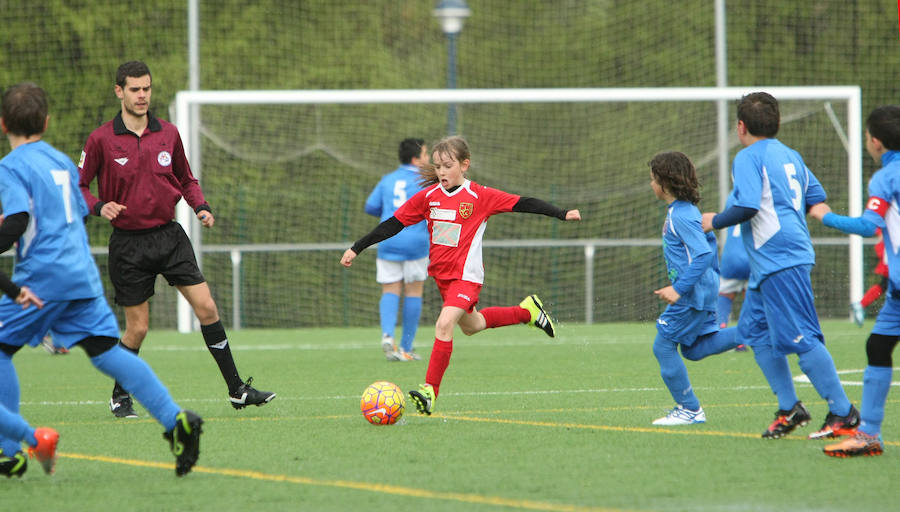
(423, 399)
(184, 441)
(13, 466)
(539, 317)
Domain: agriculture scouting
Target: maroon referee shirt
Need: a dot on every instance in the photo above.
(147, 174)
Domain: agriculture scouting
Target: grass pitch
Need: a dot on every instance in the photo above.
(524, 422)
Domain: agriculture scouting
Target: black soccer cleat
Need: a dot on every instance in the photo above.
(184, 441)
(786, 421)
(122, 406)
(248, 395)
(13, 466)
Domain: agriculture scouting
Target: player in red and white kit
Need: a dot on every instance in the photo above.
(858, 309)
(456, 211)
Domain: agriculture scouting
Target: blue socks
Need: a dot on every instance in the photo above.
(819, 367)
(13, 428)
(778, 374)
(138, 379)
(876, 385)
(412, 311)
(674, 373)
(387, 308)
(723, 310)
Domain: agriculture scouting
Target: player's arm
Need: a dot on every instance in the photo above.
(11, 229)
(383, 231)
(865, 225)
(702, 256)
(534, 205)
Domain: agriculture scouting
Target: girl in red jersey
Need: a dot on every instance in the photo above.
(456, 211)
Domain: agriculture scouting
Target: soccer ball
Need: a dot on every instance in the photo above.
(382, 403)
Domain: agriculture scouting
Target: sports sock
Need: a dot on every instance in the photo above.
(818, 365)
(674, 373)
(387, 311)
(13, 426)
(723, 310)
(217, 343)
(137, 377)
(500, 316)
(777, 371)
(9, 399)
(438, 362)
(871, 295)
(412, 312)
(118, 390)
(876, 386)
(711, 344)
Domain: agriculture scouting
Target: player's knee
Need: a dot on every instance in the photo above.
(206, 312)
(137, 331)
(443, 329)
(879, 350)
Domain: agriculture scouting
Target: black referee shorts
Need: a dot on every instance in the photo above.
(137, 257)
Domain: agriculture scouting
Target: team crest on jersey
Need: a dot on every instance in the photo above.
(164, 158)
(466, 210)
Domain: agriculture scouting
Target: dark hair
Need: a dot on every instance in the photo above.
(409, 149)
(675, 173)
(884, 124)
(133, 69)
(455, 146)
(759, 112)
(24, 109)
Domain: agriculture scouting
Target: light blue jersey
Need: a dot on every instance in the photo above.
(773, 179)
(883, 210)
(53, 257)
(683, 242)
(392, 191)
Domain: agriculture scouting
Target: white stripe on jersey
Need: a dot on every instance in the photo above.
(765, 223)
(892, 221)
(473, 268)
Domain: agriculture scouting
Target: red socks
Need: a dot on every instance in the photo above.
(437, 364)
(500, 316)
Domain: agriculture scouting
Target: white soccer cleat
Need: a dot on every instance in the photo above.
(681, 416)
(390, 348)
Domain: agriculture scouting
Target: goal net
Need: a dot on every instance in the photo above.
(287, 174)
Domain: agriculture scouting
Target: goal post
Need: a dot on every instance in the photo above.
(516, 114)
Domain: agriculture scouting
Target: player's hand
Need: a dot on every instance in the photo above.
(348, 257)
(206, 218)
(819, 210)
(27, 297)
(111, 210)
(706, 221)
(573, 215)
(668, 294)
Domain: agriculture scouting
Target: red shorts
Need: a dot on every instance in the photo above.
(458, 293)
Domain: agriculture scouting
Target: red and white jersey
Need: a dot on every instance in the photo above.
(456, 223)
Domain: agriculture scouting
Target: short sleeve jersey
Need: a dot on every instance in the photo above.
(390, 193)
(683, 241)
(456, 223)
(53, 257)
(883, 210)
(773, 179)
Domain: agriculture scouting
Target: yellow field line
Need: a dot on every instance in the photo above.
(359, 486)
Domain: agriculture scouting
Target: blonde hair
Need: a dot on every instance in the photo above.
(455, 146)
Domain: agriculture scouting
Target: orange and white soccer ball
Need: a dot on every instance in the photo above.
(382, 403)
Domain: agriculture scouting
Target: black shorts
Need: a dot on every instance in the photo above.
(137, 257)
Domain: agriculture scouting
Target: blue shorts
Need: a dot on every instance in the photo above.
(888, 321)
(68, 321)
(781, 313)
(684, 324)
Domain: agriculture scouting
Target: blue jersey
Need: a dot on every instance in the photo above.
(392, 191)
(734, 263)
(683, 242)
(883, 210)
(53, 257)
(773, 179)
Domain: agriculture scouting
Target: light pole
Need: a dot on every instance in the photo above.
(451, 14)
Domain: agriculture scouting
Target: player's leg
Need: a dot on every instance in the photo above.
(414, 274)
(389, 274)
(9, 398)
(679, 323)
(711, 344)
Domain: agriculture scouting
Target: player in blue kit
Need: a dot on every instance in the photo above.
(689, 320)
(56, 288)
(883, 145)
(402, 262)
(734, 271)
(773, 189)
